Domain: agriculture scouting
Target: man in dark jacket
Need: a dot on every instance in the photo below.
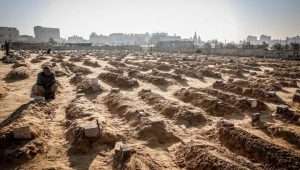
(46, 83)
(6, 46)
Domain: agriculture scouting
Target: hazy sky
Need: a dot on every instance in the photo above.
(211, 19)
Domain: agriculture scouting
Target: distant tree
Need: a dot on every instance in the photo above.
(277, 47)
(230, 46)
(295, 47)
(247, 45)
(264, 46)
(198, 51)
(52, 41)
(286, 47)
(220, 45)
(207, 45)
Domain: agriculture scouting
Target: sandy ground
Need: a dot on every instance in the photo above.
(165, 146)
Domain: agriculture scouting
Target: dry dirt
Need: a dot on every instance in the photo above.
(119, 110)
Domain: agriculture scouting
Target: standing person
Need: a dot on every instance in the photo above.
(46, 83)
(6, 46)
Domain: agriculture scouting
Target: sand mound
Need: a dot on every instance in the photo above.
(38, 59)
(75, 68)
(77, 78)
(89, 86)
(21, 139)
(193, 156)
(210, 104)
(173, 110)
(91, 63)
(127, 157)
(20, 63)
(86, 128)
(118, 80)
(256, 93)
(156, 80)
(156, 132)
(79, 108)
(19, 73)
(253, 147)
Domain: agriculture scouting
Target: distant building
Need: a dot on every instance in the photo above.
(117, 39)
(76, 39)
(177, 45)
(159, 37)
(265, 38)
(295, 39)
(26, 38)
(8, 34)
(252, 39)
(44, 34)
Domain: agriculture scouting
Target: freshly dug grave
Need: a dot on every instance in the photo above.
(114, 70)
(89, 62)
(86, 127)
(181, 114)
(76, 58)
(77, 78)
(156, 80)
(210, 104)
(148, 128)
(192, 156)
(132, 158)
(75, 68)
(244, 104)
(209, 73)
(176, 77)
(20, 63)
(189, 73)
(38, 59)
(24, 134)
(89, 86)
(118, 80)
(257, 149)
(287, 134)
(19, 73)
(256, 93)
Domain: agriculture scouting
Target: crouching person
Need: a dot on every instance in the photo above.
(46, 85)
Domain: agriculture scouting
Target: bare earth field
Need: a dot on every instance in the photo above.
(120, 110)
